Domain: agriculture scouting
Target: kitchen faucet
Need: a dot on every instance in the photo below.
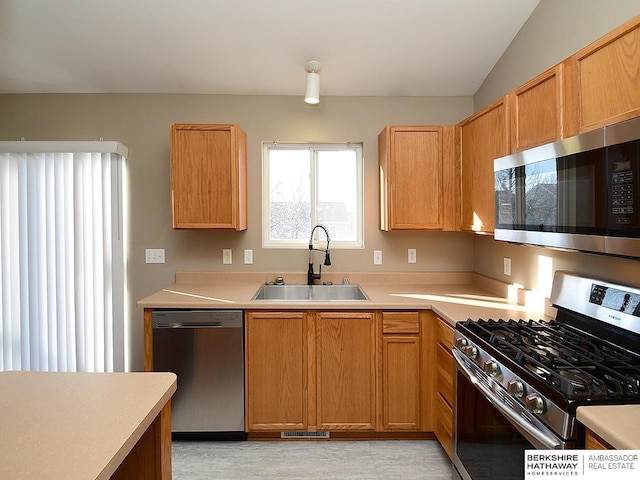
(327, 260)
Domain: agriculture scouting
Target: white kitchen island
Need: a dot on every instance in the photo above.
(85, 426)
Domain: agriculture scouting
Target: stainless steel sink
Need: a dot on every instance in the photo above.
(313, 293)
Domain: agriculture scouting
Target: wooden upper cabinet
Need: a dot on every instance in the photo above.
(417, 187)
(483, 137)
(536, 110)
(208, 176)
(603, 80)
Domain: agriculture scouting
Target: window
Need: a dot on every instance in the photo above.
(309, 184)
(62, 256)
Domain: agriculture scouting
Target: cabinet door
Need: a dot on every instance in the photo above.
(401, 364)
(345, 370)
(483, 137)
(444, 425)
(602, 80)
(445, 394)
(401, 382)
(415, 168)
(276, 376)
(537, 110)
(208, 176)
(594, 442)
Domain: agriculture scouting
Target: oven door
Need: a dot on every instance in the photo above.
(492, 431)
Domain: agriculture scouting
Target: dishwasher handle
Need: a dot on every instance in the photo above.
(193, 325)
(175, 319)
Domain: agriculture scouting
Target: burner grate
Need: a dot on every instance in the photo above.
(578, 365)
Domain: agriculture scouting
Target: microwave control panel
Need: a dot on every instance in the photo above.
(622, 195)
(623, 160)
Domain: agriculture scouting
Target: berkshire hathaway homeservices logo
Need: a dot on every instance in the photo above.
(582, 464)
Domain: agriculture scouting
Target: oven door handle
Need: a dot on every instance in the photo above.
(532, 433)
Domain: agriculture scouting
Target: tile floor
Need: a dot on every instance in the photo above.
(337, 460)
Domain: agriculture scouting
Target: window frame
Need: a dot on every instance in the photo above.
(315, 147)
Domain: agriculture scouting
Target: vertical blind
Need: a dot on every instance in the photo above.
(62, 256)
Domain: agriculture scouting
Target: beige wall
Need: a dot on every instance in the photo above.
(555, 31)
(141, 122)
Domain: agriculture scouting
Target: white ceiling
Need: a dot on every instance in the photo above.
(254, 47)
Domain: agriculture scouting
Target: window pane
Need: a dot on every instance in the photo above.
(337, 193)
(309, 184)
(289, 204)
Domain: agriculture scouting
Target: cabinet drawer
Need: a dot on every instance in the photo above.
(444, 375)
(400, 322)
(444, 424)
(594, 442)
(445, 333)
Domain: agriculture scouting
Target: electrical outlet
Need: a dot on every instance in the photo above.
(226, 256)
(507, 266)
(377, 257)
(154, 255)
(411, 255)
(248, 257)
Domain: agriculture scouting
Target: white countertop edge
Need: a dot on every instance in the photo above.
(618, 425)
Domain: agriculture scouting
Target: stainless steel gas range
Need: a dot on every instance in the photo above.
(519, 382)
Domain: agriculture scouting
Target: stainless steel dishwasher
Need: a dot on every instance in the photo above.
(205, 349)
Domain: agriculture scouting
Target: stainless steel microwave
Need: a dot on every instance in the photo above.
(580, 193)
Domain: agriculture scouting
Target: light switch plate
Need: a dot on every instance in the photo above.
(154, 255)
(377, 257)
(507, 266)
(248, 257)
(226, 256)
(411, 255)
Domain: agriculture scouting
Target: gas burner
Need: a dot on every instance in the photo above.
(542, 371)
(573, 364)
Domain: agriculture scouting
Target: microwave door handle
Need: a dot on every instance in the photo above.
(532, 433)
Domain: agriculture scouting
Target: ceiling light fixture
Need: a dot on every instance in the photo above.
(312, 93)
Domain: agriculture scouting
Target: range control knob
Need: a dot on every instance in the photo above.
(491, 368)
(472, 352)
(461, 343)
(515, 388)
(534, 403)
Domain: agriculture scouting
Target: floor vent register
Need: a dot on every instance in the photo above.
(304, 435)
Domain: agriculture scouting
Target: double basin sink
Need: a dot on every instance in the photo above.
(311, 293)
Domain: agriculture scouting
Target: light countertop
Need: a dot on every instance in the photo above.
(618, 425)
(75, 426)
(453, 296)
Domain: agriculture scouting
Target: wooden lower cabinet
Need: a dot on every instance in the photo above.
(594, 442)
(401, 372)
(276, 371)
(346, 382)
(444, 424)
(401, 382)
(344, 371)
(445, 385)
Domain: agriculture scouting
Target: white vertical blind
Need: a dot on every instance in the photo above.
(62, 258)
